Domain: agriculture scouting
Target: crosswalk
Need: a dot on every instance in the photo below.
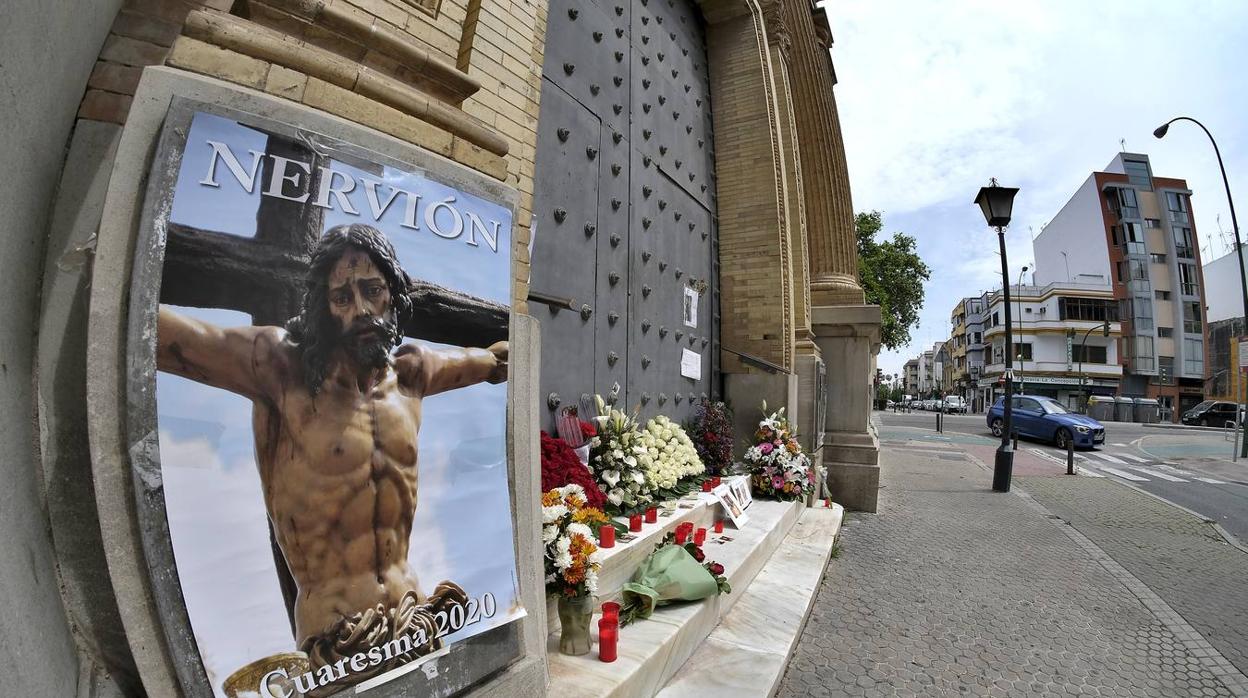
(1129, 467)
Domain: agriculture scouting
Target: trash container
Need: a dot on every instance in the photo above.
(1147, 410)
(1101, 408)
(1125, 406)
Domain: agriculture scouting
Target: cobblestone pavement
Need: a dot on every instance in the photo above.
(1180, 557)
(952, 589)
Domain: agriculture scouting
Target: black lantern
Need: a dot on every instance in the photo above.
(997, 204)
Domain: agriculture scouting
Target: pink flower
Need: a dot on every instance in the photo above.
(777, 482)
(765, 448)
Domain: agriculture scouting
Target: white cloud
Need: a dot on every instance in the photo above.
(936, 97)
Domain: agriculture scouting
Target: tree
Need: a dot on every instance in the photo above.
(892, 277)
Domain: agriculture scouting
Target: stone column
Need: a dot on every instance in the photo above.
(832, 244)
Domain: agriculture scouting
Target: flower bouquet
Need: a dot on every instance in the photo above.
(572, 560)
(670, 460)
(712, 434)
(671, 573)
(615, 458)
(778, 468)
(561, 466)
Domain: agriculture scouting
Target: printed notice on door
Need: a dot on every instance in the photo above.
(691, 364)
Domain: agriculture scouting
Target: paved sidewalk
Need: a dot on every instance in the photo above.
(952, 589)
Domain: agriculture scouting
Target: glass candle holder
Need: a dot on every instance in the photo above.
(606, 536)
(652, 515)
(719, 526)
(608, 639)
(634, 523)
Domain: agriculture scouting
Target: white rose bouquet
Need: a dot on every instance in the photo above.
(671, 460)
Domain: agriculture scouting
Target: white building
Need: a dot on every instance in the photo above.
(1224, 297)
(1058, 337)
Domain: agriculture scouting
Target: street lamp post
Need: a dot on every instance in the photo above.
(1160, 132)
(1022, 376)
(997, 203)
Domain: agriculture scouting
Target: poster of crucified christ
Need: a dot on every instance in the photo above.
(331, 392)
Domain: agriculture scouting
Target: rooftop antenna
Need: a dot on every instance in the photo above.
(1123, 143)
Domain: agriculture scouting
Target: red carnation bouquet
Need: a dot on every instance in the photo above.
(560, 467)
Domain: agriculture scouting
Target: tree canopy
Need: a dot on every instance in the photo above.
(892, 277)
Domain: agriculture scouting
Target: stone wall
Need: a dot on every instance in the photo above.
(46, 53)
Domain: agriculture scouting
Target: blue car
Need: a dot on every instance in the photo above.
(1043, 418)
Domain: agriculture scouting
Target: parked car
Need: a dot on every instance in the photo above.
(955, 403)
(1044, 418)
(1211, 413)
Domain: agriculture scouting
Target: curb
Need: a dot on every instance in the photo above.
(1176, 427)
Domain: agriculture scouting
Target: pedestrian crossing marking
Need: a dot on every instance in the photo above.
(1089, 473)
(1119, 445)
(1137, 459)
(1156, 473)
(1111, 459)
(1123, 474)
(1173, 470)
(1211, 481)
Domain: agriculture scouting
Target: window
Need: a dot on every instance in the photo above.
(1152, 223)
(1091, 309)
(1143, 317)
(1137, 173)
(1143, 355)
(1176, 204)
(1122, 202)
(1188, 279)
(1164, 332)
(977, 338)
(1022, 350)
(1183, 242)
(1191, 318)
(1161, 295)
(1131, 237)
(1157, 258)
(1089, 355)
(1139, 270)
(996, 320)
(1165, 370)
(998, 351)
(1193, 357)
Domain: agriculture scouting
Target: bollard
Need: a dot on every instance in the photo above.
(1015, 441)
(1235, 453)
(1070, 456)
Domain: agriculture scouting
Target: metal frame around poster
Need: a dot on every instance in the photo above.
(464, 663)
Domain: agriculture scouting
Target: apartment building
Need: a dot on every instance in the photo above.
(1134, 231)
(1064, 342)
(910, 377)
(966, 339)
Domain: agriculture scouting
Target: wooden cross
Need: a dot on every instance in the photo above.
(263, 277)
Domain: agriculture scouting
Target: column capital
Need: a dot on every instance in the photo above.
(778, 33)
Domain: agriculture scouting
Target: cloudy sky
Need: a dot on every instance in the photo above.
(936, 97)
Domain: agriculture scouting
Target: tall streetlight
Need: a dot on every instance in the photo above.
(1022, 377)
(997, 203)
(1160, 132)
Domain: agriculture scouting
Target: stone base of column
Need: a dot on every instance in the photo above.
(848, 339)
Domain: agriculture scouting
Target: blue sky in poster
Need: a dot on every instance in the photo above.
(462, 529)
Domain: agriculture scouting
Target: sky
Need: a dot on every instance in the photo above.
(462, 528)
(937, 97)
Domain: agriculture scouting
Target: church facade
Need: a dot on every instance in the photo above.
(681, 229)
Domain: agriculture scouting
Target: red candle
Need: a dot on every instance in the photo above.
(699, 537)
(652, 515)
(634, 523)
(606, 536)
(715, 482)
(827, 502)
(719, 526)
(611, 611)
(608, 637)
(706, 485)
(681, 535)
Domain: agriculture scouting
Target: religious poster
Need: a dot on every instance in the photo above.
(331, 394)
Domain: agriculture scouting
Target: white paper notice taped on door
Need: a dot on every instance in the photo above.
(691, 364)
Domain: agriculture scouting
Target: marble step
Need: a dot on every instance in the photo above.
(748, 651)
(652, 651)
(619, 563)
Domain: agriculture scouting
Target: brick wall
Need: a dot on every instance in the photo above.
(752, 285)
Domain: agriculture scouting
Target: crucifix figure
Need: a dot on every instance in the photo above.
(336, 413)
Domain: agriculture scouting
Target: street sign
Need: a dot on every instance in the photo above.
(1243, 353)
